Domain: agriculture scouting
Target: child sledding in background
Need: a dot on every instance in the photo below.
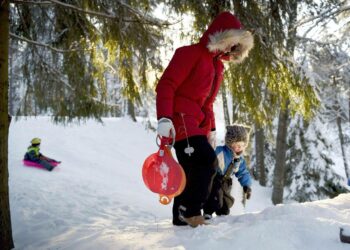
(231, 162)
(33, 154)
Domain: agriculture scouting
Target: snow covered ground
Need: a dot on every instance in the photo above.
(96, 199)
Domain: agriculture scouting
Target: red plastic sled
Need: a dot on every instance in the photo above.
(162, 174)
(37, 165)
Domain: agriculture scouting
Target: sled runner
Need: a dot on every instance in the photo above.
(162, 174)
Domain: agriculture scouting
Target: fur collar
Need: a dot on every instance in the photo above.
(222, 39)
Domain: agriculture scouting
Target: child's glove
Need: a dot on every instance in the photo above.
(166, 128)
(247, 191)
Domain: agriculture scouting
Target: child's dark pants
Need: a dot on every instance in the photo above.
(220, 200)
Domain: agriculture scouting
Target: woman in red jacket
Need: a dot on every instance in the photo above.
(185, 96)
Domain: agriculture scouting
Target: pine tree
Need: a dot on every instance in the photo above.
(310, 174)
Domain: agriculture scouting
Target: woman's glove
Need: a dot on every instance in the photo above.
(247, 191)
(166, 128)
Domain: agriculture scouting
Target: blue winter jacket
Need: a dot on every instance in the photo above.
(225, 157)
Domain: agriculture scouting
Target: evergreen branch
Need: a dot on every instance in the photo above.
(89, 12)
(109, 104)
(149, 19)
(30, 2)
(138, 14)
(53, 71)
(112, 16)
(12, 35)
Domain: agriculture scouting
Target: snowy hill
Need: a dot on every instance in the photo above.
(96, 199)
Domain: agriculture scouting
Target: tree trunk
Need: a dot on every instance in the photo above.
(281, 148)
(234, 110)
(338, 111)
(6, 241)
(260, 154)
(281, 145)
(225, 106)
(342, 145)
(131, 110)
(11, 89)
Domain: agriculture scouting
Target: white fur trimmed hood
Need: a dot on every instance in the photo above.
(221, 40)
(225, 31)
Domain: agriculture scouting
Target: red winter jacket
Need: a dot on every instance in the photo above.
(190, 83)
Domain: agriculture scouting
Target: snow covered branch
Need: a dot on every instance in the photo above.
(312, 40)
(323, 15)
(140, 17)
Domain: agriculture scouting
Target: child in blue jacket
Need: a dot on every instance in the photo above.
(231, 162)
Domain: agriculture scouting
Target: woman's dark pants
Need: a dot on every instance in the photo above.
(200, 169)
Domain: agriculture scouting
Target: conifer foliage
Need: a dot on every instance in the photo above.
(310, 173)
(68, 47)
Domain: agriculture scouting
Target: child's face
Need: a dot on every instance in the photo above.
(238, 147)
